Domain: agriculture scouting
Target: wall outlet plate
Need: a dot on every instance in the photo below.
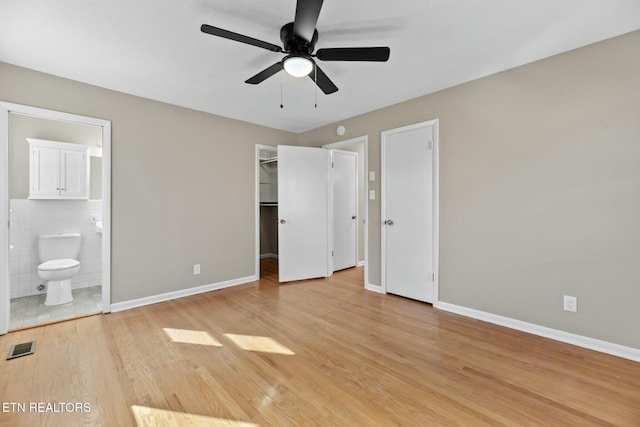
(570, 303)
(196, 269)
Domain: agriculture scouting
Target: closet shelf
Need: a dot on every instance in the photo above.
(268, 203)
(269, 160)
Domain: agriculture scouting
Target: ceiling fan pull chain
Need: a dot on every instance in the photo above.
(315, 86)
(281, 90)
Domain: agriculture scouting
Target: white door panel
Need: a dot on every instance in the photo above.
(345, 208)
(73, 171)
(46, 172)
(303, 211)
(408, 212)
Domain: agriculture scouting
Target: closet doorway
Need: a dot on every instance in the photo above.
(292, 195)
(269, 214)
(266, 204)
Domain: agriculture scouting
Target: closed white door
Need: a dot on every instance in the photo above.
(407, 209)
(303, 213)
(344, 174)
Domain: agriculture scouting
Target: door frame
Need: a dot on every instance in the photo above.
(6, 108)
(436, 203)
(350, 143)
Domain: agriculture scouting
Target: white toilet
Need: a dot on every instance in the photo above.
(59, 255)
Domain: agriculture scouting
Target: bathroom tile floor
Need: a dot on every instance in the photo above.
(29, 311)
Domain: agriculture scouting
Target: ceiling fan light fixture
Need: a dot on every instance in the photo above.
(298, 66)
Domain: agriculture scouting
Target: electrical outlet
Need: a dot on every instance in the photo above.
(570, 303)
(196, 269)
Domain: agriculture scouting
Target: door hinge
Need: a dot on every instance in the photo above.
(433, 277)
(331, 164)
(430, 145)
(332, 253)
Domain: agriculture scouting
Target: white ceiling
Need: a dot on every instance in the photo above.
(155, 49)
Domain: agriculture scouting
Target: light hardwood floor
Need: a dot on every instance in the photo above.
(314, 353)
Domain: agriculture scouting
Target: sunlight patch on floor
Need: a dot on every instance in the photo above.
(153, 417)
(261, 344)
(187, 336)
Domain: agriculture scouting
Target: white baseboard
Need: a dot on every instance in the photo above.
(360, 264)
(554, 334)
(265, 256)
(126, 305)
(373, 288)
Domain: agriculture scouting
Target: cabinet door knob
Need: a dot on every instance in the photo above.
(282, 221)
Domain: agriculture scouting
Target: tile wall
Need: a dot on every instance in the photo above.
(31, 218)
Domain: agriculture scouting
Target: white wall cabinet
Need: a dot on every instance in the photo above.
(58, 170)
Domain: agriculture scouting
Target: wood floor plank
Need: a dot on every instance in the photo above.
(313, 353)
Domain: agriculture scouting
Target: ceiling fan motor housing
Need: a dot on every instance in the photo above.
(296, 45)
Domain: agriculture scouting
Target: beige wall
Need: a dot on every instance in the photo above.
(23, 127)
(182, 183)
(539, 189)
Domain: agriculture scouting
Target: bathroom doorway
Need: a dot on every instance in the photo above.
(26, 133)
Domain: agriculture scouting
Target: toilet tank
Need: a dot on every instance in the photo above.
(59, 246)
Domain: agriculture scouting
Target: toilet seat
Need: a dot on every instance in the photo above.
(58, 265)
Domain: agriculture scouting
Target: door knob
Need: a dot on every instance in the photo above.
(354, 216)
(389, 222)
(282, 221)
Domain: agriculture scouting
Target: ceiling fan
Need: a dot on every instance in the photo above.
(299, 39)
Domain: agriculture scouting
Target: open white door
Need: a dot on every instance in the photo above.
(303, 213)
(408, 211)
(345, 208)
